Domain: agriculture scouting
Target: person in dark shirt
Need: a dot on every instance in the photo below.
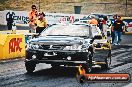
(118, 27)
(100, 24)
(112, 32)
(9, 22)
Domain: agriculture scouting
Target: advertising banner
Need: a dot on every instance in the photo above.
(12, 46)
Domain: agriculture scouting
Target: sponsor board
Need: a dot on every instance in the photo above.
(104, 77)
(21, 17)
(12, 46)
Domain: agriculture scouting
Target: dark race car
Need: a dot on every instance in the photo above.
(68, 45)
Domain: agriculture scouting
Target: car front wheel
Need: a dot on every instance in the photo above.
(30, 67)
(88, 65)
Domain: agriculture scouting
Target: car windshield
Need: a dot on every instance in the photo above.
(68, 30)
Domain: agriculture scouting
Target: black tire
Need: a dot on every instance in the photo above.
(30, 67)
(88, 65)
(87, 68)
(82, 79)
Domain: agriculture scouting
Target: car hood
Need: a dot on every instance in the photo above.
(57, 40)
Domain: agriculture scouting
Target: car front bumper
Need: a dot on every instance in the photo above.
(56, 56)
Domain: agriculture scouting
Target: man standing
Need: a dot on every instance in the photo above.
(100, 24)
(41, 23)
(32, 18)
(105, 27)
(93, 20)
(118, 27)
(10, 22)
(112, 32)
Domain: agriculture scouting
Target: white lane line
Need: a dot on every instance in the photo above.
(129, 85)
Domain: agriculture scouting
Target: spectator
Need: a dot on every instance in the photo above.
(100, 24)
(126, 26)
(32, 18)
(9, 22)
(118, 28)
(109, 25)
(41, 23)
(112, 32)
(93, 20)
(105, 19)
(105, 27)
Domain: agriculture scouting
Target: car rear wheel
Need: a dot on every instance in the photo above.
(30, 67)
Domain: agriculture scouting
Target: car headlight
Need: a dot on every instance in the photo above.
(76, 47)
(73, 47)
(86, 44)
(32, 46)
